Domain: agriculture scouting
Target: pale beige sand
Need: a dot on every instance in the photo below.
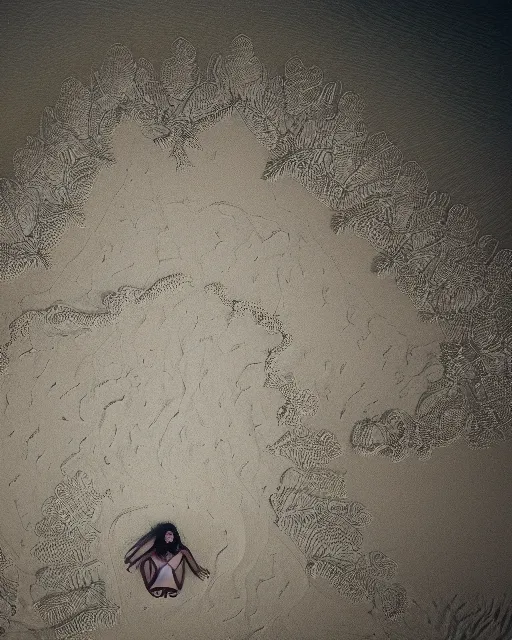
(166, 407)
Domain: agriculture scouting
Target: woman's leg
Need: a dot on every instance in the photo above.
(177, 564)
(148, 570)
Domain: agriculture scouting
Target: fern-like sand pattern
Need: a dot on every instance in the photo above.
(310, 503)
(315, 133)
(76, 602)
(9, 583)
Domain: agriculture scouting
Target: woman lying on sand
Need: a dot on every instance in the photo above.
(160, 555)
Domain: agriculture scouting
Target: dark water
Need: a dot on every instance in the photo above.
(434, 77)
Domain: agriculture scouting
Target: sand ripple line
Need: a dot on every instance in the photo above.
(61, 319)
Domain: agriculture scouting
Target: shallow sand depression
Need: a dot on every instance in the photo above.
(199, 352)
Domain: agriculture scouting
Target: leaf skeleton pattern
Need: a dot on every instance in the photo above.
(75, 602)
(9, 586)
(307, 449)
(88, 620)
(64, 576)
(56, 608)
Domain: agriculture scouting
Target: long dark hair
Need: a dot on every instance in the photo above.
(161, 546)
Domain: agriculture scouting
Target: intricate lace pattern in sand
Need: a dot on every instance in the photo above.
(310, 504)
(76, 602)
(316, 134)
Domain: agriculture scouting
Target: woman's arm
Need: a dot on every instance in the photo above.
(140, 550)
(200, 572)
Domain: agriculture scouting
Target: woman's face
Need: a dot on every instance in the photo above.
(169, 536)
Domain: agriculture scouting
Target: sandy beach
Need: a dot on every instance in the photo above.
(203, 349)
